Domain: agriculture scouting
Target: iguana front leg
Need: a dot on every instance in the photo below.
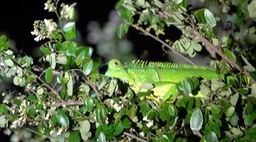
(162, 91)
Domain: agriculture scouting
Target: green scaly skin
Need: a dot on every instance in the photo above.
(161, 75)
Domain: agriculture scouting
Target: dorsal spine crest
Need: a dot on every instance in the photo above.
(145, 64)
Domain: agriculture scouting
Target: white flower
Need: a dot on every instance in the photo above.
(67, 11)
(43, 29)
(50, 26)
(59, 132)
(150, 123)
(50, 6)
(117, 107)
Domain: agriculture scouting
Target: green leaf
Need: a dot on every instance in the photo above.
(230, 55)
(101, 115)
(196, 46)
(141, 2)
(48, 75)
(230, 111)
(211, 137)
(254, 89)
(90, 104)
(53, 60)
(215, 128)
(236, 131)
(3, 109)
(85, 130)
(70, 86)
(4, 43)
(40, 90)
(119, 4)
(74, 136)
(205, 16)
(102, 137)
(248, 119)
(199, 14)
(215, 109)
(45, 50)
(32, 112)
(84, 52)
(108, 130)
(17, 80)
(173, 110)
(126, 123)
(144, 108)
(234, 99)
(68, 45)
(3, 121)
(151, 114)
(158, 3)
(249, 65)
(32, 98)
(122, 29)
(70, 30)
(251, 133)
(61, 59)
(196, 120)
(210, 20)
(62, 118)
(251, 9)
(87, 67)
(178, 1)
(164, 112)
(234, 120)
(9, 62)
(71, 50)
(118, 127)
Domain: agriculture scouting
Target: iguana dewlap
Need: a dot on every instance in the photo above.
(162, 75)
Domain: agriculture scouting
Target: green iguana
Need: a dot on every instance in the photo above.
(162, 76)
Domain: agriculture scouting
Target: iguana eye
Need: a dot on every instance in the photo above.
(116, 63)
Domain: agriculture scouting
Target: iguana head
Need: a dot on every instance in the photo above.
(117, 69)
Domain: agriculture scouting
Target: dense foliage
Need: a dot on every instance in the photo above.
(62, 96)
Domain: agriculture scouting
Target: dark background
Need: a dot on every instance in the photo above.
(17, 18)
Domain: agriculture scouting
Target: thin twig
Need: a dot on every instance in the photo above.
(162, 42)
(40, 69)
(134, 137)
(208, 44)
(70, 103)
(91, 84)
(86, 79)
(50, 88)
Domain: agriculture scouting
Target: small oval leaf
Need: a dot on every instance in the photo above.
(209, 18)
(48, 75)
(70, 30)
(70, 86)
(87, 67)
(102, 137)
(45, 50)
(196, 120)
(63, 119)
